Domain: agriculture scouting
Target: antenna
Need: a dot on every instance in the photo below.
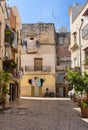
(53, 16)
(40, 11)
(10, 3)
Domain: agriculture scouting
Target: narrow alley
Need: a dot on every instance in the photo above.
(42, 114)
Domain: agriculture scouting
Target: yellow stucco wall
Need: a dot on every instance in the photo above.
(28, 90)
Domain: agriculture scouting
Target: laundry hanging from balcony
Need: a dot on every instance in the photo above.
(30, 45)
(14, 40)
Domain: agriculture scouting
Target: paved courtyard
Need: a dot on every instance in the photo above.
(34, 114)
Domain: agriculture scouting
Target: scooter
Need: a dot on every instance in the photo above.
(49, 94)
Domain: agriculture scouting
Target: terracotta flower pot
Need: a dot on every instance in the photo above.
(75, 99)
(84, 112)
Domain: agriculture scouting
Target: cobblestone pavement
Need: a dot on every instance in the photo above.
(28, 114)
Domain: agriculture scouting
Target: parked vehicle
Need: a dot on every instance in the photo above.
(49, 94)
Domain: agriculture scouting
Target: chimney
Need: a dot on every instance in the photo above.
(76, 4)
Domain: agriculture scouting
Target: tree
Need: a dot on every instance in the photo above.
(79, 81)
(4, 80)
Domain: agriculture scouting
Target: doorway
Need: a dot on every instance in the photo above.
(36, 91)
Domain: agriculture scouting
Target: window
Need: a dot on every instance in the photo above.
(61, 40)
(75, 62)
(60, 77)
(31, 38)
(86, 54)
(38, 64)
(75, 37)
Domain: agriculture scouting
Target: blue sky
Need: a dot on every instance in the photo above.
(47, 11)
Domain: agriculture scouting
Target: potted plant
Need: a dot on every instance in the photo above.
(13, 64)
(83, 104)
(4, 80)
(3, 102)
(73, 78)
(14, 68)
(80, 83)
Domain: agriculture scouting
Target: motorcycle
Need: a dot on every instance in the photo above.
(49, 94)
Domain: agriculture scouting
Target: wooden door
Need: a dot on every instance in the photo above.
(38, 64)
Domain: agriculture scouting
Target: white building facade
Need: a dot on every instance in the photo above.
(79, 34)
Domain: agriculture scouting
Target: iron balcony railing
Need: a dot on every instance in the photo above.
(37, 68)
(8, 67)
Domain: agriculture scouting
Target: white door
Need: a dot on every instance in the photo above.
(36, 91)
(61, 92)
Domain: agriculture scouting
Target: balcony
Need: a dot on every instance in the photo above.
(7, 66)
(85, 32)
(74, 47)
(10, 38)
(29, 69)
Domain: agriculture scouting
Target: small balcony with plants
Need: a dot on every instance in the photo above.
(11, 67)
(11, 38)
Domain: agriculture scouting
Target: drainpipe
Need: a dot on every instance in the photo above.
(80, 46)
(0, 48)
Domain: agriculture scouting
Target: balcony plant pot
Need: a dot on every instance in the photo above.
(75, 99)
(3, 104)
(13, 64)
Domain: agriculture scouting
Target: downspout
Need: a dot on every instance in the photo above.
(80, 46)
(0, 47)
(15, 23)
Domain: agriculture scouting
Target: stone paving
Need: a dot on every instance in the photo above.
(32, 114)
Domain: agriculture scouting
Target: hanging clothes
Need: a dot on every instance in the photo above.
(24, 45)
(31, 46)
(42, 81)
(37, 43)
(38, 82)
(34, 82)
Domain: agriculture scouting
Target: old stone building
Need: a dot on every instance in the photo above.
(3, 17)
(9, 45)
(63, 61)
(79, 36)
(13, 51)
(38, 59)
